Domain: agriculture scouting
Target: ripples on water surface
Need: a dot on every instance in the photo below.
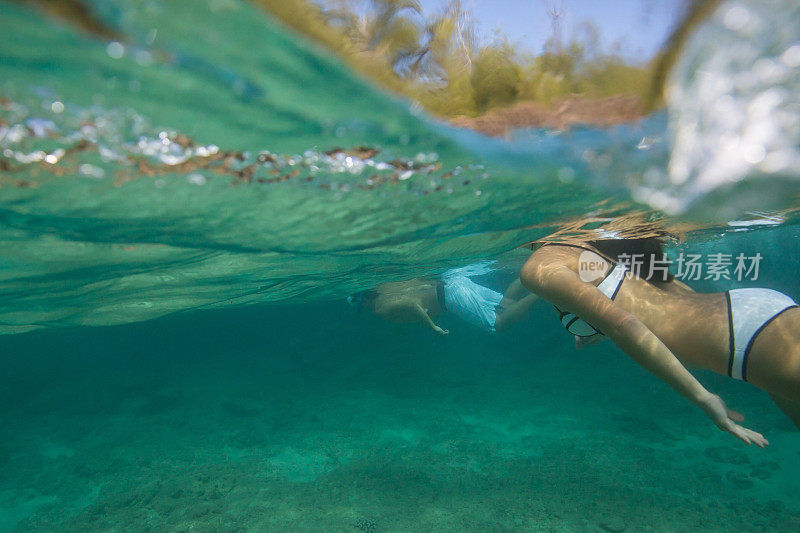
(209, 159)
(211, 149)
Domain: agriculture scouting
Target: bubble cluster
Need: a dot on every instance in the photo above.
(94, 144)
(734, 103)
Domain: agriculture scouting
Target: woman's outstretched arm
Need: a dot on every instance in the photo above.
(426, 319)
(564, 288)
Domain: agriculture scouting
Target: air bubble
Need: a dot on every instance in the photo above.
(115, 50)
(196, 179)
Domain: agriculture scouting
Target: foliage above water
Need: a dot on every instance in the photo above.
(440, 63)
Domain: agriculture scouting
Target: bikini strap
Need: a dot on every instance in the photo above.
(579, 247)
(613, 281)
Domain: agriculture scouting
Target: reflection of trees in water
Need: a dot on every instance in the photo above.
(696, 12)
(76, 13)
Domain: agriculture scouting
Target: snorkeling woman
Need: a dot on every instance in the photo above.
(748, 334)
(421, 300)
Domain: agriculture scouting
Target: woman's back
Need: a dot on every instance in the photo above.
(693, 325)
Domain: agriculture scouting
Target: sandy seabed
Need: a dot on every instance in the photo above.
(256, 421)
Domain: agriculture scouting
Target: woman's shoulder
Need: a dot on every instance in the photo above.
(545, 260)
(569, 255)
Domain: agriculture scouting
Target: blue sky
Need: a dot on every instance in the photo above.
(640, 26)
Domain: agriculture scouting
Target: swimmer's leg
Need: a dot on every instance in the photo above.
(792, 409)
(774, 362)
(513, 313)
(516, 291)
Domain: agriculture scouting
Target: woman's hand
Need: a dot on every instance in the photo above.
(726, 419)
(440, 331)
(422, 313)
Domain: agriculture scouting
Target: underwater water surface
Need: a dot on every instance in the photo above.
(183, 212)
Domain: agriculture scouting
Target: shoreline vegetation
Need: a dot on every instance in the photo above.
(439, 63)
(559, 115)
(491, 87)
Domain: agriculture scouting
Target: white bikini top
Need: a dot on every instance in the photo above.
(609, 286)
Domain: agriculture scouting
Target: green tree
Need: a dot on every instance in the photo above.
(443, 64)
(496, 77)
(440, 63)
(390, 30)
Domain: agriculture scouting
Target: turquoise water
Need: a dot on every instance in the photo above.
(183, 212)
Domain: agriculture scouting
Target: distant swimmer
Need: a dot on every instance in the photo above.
(423, 300)
(749, 334)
